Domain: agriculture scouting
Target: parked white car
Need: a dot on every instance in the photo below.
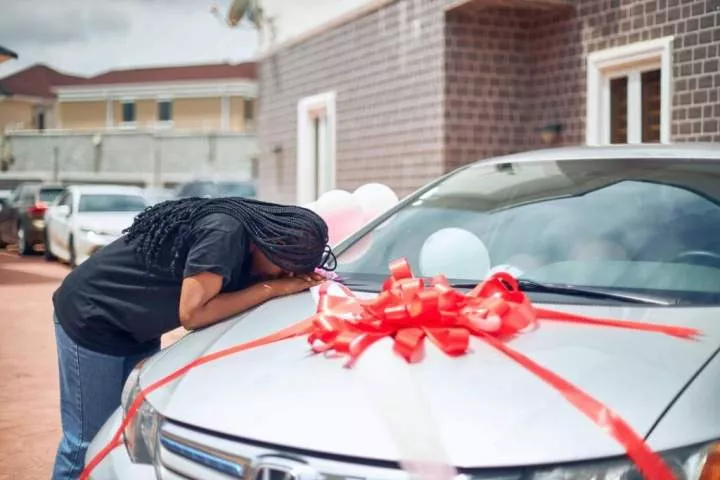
(85, 218)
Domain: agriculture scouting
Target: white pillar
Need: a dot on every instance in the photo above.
(224, 112)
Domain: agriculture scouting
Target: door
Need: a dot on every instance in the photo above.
(316, 147)
(61, 218)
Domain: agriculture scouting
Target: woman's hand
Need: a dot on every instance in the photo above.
(289, 285)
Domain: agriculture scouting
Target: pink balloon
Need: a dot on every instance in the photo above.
(342, 213)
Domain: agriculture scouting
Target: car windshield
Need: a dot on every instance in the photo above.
(218, 189)
(646, 226)
(48, 195)
(111, 203)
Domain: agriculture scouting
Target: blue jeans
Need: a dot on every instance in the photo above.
(90, 388)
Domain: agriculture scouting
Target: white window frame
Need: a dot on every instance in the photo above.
(164, 124)
(307, 172)
(629, 60)
(123, 123)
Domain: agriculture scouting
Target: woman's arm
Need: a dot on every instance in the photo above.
(202, 304)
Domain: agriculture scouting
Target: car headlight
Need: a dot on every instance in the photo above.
(701, 462)
(141, 433)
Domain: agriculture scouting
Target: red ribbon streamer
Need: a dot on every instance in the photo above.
(409, 311)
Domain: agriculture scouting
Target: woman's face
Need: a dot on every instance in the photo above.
(263, 267)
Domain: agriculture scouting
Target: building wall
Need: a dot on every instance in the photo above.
(196, 113)
(81, 115)
(420, 92)
(386, 69)
(135, 157)
(553, 71)
(237, 113)
(146, 113)
(489, 59)
(15, 114)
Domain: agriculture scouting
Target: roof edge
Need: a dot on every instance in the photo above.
(324, 27)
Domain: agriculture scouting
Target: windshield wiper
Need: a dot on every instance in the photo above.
(587, 292)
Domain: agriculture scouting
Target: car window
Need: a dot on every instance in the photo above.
(48, 195)
(635, 225)
(236, 189)
(111, 203)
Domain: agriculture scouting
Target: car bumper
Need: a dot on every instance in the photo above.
(36, 231)
(87, 245)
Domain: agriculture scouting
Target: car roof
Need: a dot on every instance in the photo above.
(700, 151)
(107, 189)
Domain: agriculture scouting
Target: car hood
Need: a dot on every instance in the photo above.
(110, 223)
(488, 410)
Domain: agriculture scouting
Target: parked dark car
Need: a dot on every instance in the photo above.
(22, 215)
(216, 189)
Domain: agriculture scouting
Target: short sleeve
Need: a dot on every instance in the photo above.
(216, 251)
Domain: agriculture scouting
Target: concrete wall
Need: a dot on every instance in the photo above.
(133, 157)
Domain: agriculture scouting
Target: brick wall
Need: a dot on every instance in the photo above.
(420, 91)
(696, 73)
(386, 69)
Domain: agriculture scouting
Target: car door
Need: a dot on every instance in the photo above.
(51, 225)
(61, 220)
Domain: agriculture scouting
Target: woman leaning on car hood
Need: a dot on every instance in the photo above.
(191, 262)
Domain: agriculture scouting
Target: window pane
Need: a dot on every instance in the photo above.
(618, 110)
(249, 109)
(165, 111)
(651, 106)
(128, 112)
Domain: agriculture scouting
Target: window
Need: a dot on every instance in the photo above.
(663, 241)
(249, 109)
(111, 203)
(48, 195)
(316, 147)
(165, 111)
(128, 112)
(629, 93)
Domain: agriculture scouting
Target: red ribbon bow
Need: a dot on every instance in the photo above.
(409, 311)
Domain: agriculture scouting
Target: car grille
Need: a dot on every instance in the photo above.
(186, 453)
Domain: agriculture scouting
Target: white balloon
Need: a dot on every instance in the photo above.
(375, 199)
(335, 199)
(455, 253)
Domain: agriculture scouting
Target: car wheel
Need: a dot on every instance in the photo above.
(71, 252)
(47, 253)
(24, 247)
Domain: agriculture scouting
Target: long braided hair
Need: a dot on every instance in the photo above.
(293, 238)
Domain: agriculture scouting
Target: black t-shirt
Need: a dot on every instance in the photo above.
(113, 304)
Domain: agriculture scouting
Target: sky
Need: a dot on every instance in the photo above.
(88, 37)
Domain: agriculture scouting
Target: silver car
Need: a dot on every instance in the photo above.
(627, 232)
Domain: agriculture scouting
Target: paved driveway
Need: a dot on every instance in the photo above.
(29, 417)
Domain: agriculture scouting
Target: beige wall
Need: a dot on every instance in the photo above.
(196, 113)
(15, 114)
(187, 113)
(81, 115)
(237, 113)
(146, 113)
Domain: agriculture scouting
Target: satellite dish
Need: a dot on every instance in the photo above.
(239, 9)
